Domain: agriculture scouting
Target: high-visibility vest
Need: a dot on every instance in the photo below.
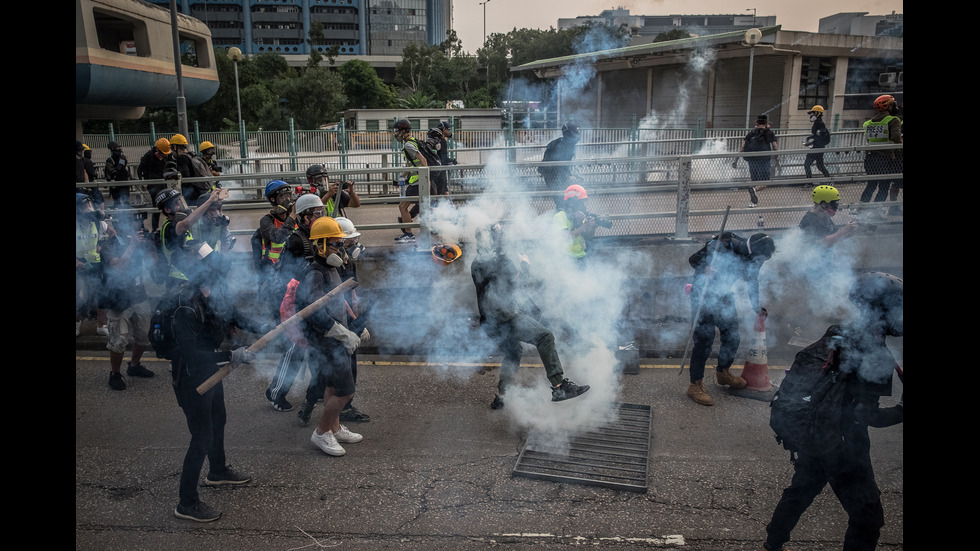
(877, 131)
(577, 248)
(271, 251)
(414, 178)
(168, 254)
(87, 242)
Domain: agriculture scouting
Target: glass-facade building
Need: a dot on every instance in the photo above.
(354, 27)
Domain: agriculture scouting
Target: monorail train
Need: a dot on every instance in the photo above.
(124, 59)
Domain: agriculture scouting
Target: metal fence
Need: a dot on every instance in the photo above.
(672, 186)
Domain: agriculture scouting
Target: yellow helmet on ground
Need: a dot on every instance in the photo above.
(445, 254)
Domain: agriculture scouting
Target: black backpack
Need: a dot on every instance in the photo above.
(805, 412)
(756, 140)
(161, 331)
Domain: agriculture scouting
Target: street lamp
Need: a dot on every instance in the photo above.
(484, 4)
(235, 55)
(752, 37)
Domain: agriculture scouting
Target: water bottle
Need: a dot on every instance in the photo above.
(760, 223)
(401, 186)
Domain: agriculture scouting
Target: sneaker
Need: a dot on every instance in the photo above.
(697, 393)
(230, 476)
(305, 412)
(200, 512)
(405, 238)
(566, 390)
(278, 404)
(725, 378)
(102, 331)
(354, 415)
(345, 436)
(116, 381)
(753, 205)
(328, 443)
(137, 370)
(497, 403)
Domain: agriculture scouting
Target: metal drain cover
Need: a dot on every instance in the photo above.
(612, 456)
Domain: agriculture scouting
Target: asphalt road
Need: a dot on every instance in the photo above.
(434, 471)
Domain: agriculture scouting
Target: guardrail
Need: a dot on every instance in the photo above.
(645, 195)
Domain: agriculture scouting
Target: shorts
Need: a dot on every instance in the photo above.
(333, 368)
(412, 190)
(129, 326)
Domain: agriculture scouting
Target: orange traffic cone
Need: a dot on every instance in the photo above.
(756, 370)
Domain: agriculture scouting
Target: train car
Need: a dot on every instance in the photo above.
(124, 59)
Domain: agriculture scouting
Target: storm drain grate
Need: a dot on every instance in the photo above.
(613, 456)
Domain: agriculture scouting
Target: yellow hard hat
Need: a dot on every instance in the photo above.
(163, 144)
(326, 226)
(178, 139)
(446, 254)
(817, 109)
(86, 148)
(205, 146)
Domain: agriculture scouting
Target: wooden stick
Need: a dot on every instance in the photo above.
(269, 337)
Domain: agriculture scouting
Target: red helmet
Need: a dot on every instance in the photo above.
(882, 103)
(575, 191)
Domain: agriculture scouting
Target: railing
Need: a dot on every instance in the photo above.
(644, 194)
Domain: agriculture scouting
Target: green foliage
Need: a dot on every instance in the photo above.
(315, 98)
(673, 34)
(364, 88)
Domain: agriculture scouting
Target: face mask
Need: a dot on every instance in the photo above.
(355, 251)
(813, 118)
(335, 261)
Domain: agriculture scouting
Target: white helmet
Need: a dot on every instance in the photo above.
(348, 227)
(308, 201)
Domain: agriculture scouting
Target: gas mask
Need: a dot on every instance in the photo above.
(355, 250)
(813, 118)
(335, 260)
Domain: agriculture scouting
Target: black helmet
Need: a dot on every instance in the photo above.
(761, 245)
(114, 146)
(402, 125)
(315, 170)
(165, 197)
(569, 130)
(880, 295)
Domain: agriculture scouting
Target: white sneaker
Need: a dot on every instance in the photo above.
(346, 436)
(328, 443)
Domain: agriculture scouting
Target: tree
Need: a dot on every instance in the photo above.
(315, 98)
(364, 88)
(673, 34)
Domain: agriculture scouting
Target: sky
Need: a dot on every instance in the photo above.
(504, 15)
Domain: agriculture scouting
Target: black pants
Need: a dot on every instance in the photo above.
(852, 479)
(720, 312)
(206, 421)
(878, 163)
(817, 158)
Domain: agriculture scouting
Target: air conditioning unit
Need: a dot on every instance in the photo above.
(888, 79)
